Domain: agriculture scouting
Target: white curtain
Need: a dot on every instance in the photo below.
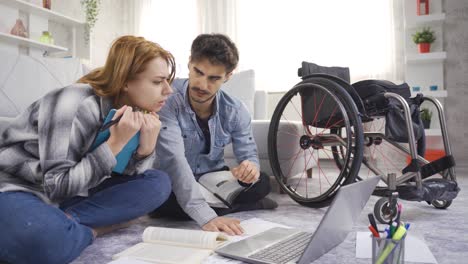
(172, 24)
(274, 37)
(134, 15)
(218, 16)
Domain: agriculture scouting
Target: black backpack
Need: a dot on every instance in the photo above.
(375, 103)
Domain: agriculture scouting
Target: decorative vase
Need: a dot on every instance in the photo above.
(424, 47)
(422, 7)
(46, 38)
(46, 4)
(19, 29)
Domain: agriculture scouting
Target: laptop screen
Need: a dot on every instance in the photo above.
(339, 219)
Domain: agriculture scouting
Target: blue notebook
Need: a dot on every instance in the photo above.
(127, 151)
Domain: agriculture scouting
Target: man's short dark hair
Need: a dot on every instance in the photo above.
(217, 48)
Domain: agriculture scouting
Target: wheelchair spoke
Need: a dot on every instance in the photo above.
(306, 163)
(331, 115)
(302, 124)
(318, 111)
(290, 125)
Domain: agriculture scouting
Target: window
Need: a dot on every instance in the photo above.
(172, 24)
(274, 37)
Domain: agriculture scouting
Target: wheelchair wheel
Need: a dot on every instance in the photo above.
(441, 204)
(383, 212)
(300, 141)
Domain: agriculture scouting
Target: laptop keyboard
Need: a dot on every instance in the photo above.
(284, 250)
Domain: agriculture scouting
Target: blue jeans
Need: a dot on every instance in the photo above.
(32, 231)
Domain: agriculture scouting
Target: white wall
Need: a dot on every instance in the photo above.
(456, 72)
(111, 23)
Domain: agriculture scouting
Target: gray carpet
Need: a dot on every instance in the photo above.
(444, 231)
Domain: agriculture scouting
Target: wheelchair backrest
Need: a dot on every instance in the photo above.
(339, 75)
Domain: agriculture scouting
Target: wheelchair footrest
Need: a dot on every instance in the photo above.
(432, 189)
(437, 166)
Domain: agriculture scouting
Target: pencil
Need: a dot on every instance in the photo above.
(111, 123)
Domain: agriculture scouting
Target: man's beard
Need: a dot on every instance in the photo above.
(199, 101)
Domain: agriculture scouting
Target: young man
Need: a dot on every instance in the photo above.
(199, 120)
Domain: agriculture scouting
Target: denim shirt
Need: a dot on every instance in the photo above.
(181, 143)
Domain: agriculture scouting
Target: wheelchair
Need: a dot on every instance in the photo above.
(339, 127)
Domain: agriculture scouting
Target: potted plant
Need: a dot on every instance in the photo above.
(426, 116)
(423, 39)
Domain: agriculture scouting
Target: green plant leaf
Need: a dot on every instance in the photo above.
(426, 35)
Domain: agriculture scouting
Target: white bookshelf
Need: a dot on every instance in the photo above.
(425, 20)
(426, 69)
(37, 20)
(436, 94)
(42, 12)
(426, 57)
(433, 132)
(29, 43)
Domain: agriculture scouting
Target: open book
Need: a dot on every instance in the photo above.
(174, 246)
(220, 188)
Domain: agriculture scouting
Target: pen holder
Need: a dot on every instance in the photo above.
(388, 251)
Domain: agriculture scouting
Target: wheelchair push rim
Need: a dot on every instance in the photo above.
(303, 121)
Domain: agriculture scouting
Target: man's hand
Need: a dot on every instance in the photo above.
(246, 172)
(149, 133)
(227, 225)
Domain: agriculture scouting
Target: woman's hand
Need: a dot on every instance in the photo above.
(149, 133)
(130, 123)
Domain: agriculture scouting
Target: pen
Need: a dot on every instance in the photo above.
(111, 123)
(400, 207)
(222, 200)
(248, 187)
(393, 228)
(400, 232)
(115, 121)
(388, 232)
(372, 221)
(407, 226)
(373, 231)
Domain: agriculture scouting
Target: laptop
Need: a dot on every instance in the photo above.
(285, 245)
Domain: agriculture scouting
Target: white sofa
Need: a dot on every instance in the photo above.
(242, 86)
(24, 79)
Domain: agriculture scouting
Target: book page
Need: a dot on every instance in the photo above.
(184, 237)
(223, 184)
(164, 254)
(127, 260)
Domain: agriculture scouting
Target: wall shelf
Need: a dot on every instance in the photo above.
(426, 57)
(425, 20)
(25, 42)
(433, 132)
(436, 94)
(40, 11)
